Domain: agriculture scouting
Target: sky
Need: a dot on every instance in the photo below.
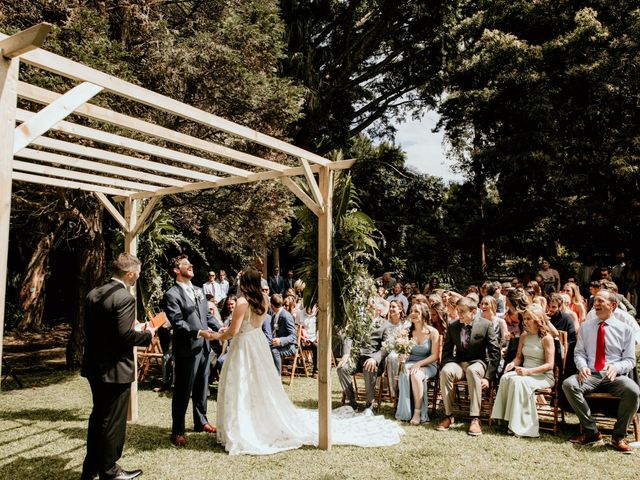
(424, 149)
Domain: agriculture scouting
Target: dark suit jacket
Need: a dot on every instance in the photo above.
(109, 334)
(276, 284)
(286, 330)
(483, 346)
(187, 318)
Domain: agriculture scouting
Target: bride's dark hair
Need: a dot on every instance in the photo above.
(250, 287)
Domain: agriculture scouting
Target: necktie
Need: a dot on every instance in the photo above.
(195, 295)
(466, 336)
(600, 355)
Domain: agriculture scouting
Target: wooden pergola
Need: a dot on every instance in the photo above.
(129, 176)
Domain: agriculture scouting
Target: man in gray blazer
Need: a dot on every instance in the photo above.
(284, 341)
(187, 310)
(470, 351)
(370, 363)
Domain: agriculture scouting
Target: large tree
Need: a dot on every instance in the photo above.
(543, 101)
(363, 63)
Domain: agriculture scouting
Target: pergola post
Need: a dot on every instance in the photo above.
(325, 321)
(8, 100)
(131, 246)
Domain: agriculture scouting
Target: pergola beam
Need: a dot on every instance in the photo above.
(313, 186)
(52, 114)
(40, 95)
(24, 41)
(304, 198)
(112, 210)
(136, 145)
(146, 213)
(8, 100)
(56, 182)
(99, 154)
(70, 69)
(256, 177)
(81, 176)
(325, 320)
(102, 168)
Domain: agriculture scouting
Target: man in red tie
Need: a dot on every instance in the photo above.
(604, 356)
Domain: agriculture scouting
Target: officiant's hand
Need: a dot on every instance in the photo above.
(147, 327)
(276, 342)
(370, 365)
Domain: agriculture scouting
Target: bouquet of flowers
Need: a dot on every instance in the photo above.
(399, 342)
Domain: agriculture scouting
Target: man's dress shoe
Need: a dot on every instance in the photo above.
(127, 475)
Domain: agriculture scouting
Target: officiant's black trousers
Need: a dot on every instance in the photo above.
(107, 428)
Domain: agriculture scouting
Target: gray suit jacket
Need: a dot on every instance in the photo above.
(483, 346)
(286, 329)
(187, 318)
(372, 348)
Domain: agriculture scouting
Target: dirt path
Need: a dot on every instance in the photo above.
(32, 356)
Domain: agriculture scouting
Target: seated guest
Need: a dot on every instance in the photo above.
(563, 321)
(370, 362)
(488, 311)
(308, 317)
(470, 352)
(392, 362)
(604, 356)
(438, 317)
(398, 295)
(419, 367)
(531, 369)
(285, 338)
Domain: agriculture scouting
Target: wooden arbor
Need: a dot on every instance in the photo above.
(123, 170)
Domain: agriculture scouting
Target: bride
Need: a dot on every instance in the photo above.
(255, 416)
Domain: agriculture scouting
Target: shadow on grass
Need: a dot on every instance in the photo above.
(43, 415)
(51, 467)
(150, 438)
(39, 378)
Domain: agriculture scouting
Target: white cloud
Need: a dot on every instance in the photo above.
(424, 149)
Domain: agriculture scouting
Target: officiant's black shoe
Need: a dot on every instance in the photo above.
(127, 475)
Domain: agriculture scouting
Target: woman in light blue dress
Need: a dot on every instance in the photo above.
(531, 369)
(419, 367)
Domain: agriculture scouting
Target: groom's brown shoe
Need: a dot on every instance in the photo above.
(207, 427)
(178, 440)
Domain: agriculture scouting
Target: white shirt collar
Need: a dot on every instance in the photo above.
(119, 281)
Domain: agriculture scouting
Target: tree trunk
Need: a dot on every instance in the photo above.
(90, 273)
(32, 291)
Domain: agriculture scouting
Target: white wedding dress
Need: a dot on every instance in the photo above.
(255, 415)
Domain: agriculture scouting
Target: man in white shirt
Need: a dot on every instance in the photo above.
(398, 295)
(223, 283)
(604, 355)
(212, 290)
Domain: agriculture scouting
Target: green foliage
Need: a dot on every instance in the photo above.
(543, 103)
(353, 246)
(363, 63)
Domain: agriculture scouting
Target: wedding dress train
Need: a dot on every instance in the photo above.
(255, 415)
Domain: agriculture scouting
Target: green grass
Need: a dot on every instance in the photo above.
(43, 432)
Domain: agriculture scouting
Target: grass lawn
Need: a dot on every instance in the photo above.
(43, 433)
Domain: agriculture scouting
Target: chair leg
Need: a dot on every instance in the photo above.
(636, 430)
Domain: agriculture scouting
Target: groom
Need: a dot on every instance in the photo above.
(284, 339)
(193, 326)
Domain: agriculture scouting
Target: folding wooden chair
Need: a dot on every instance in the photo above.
(292, 365)
(550, 412)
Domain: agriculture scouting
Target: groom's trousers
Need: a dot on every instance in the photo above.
(191, 380)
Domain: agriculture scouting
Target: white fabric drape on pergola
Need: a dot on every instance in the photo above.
(133, 174)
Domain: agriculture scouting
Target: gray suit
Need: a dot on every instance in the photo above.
(283, 328)
(372, 348)
(191, 354)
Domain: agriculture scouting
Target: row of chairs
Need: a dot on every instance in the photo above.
(549, 405)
